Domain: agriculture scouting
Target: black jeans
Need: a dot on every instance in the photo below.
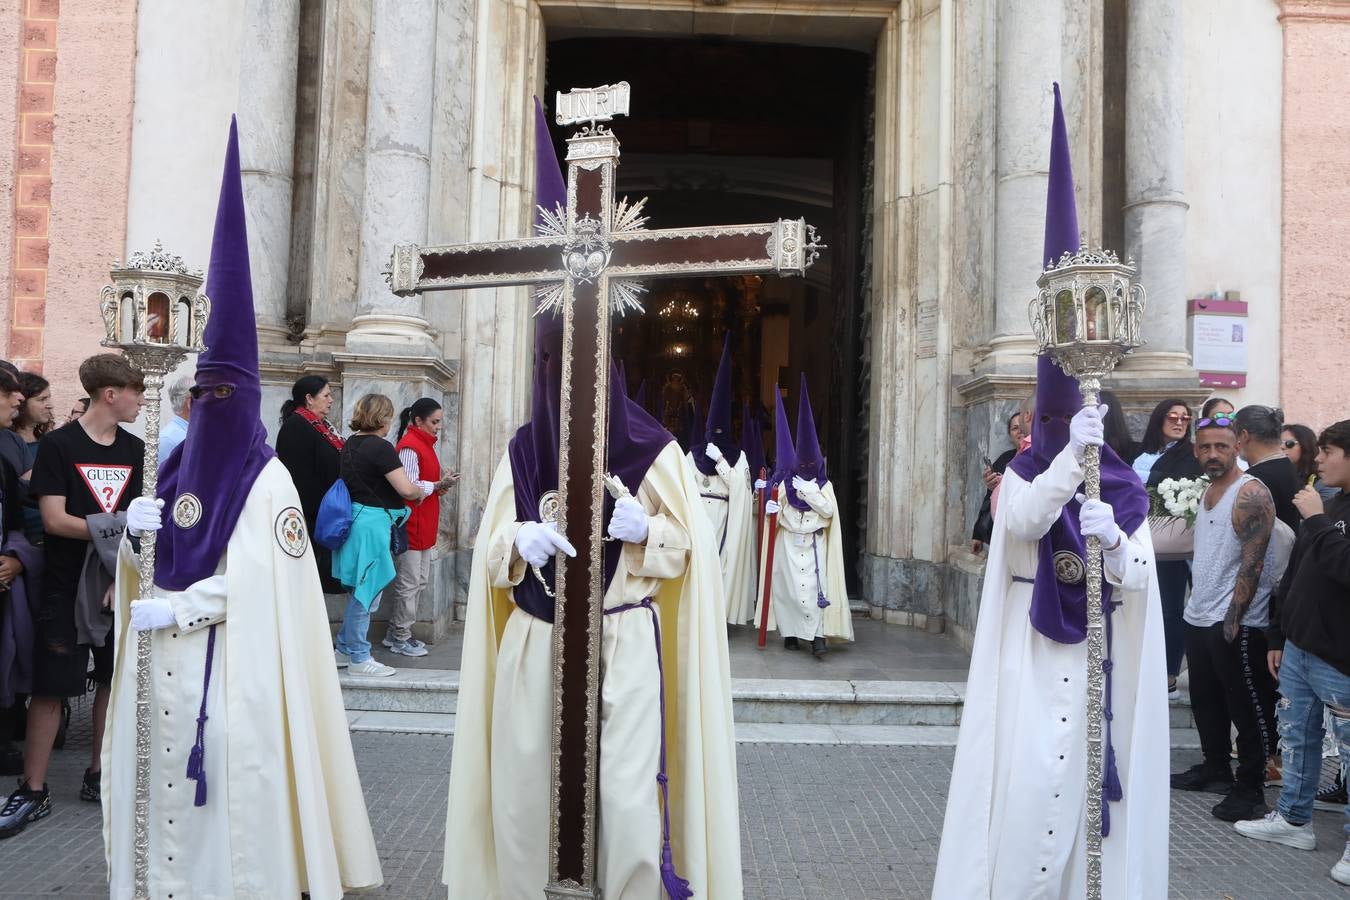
(1231, 684)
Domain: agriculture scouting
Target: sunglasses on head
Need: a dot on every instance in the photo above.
(1222, 420)
(219, 391)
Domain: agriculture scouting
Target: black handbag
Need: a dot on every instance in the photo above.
(398, 536)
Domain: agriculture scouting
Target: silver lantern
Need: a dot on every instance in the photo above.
(155, 313)
(1087, 316)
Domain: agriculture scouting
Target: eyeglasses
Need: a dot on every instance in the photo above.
(1289, 445)
(1222, 420)
(219, 391)
(1179, 418)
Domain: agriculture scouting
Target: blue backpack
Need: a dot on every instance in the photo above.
(334, 521)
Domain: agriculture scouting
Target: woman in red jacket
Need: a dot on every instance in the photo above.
(419, 427)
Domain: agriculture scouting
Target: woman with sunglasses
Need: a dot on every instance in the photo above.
(1300, 445)
(1166, 452)
(311, 450)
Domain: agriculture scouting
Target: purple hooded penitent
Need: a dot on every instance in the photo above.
(635, 438)
(808, 462)
(718, 427)
(226, 447)
(1058, 610)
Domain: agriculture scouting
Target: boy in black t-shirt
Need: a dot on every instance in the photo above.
(92, 466)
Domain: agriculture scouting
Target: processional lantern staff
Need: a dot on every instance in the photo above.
(1087, 316)
(591, 257)
(155, 313)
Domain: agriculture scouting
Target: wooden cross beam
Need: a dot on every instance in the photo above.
(590, 257)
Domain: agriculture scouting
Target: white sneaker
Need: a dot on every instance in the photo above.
(1275, 828)
(1340, 872)
(407, 648)
(371, 667)
(343, 660)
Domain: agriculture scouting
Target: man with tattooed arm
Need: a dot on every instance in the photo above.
(1225, 620)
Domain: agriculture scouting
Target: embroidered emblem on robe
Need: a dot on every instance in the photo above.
(290, 531)
(187, 510)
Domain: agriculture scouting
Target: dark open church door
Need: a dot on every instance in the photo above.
(728, 132)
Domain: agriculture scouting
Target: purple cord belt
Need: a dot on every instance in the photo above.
(196, 767)
(677, 887)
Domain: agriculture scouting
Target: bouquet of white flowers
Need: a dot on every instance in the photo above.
(1172, 508)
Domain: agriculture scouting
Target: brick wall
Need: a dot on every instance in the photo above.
(1315, 316)
(33, 183)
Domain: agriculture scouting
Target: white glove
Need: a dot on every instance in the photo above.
(144, 515)
(760, 484)
(712, 451)
(772, 507)
(1087, 430)
(1098, 519)
(629, 522)
(147, 615)
(803, 486)
(537, 543)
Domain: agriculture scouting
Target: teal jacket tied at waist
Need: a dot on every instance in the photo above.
(364, 562)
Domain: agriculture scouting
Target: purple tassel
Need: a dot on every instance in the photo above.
(677, 887)
(1111, 787)
(821, 601)
(194, 767)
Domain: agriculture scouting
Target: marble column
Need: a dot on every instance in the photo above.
(401, 80)
(1029, 61)
(1155, 204)
(269, 54)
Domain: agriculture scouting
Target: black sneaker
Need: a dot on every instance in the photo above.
(22, 807)
(789, 643)
(1332, 798)
(1244, 801)
(89, 789)
(1204, 777)
(818, 647)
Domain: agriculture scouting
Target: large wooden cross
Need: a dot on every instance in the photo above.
(590, 256)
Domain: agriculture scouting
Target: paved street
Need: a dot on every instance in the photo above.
(816, 821)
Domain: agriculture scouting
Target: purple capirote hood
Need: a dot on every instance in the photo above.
(226, 445)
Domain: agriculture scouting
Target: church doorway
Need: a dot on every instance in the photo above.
(724, 132)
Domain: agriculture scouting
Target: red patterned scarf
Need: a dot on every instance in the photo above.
(321, 426)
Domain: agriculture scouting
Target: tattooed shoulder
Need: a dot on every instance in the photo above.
(1254, 511)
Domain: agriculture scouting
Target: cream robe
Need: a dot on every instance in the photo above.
(496, 839)
(733, 526)
(284, 811)
(806, 536)
(1016, 821)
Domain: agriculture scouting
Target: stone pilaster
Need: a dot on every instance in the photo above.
(266, 116)
(1155, 200)
(400, 83)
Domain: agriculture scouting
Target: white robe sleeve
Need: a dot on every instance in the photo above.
(1038, 506)
(665, 555)
(1127, 567)
(201, 605)
(819, 503)
(506, 568)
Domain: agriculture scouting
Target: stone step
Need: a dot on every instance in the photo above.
(407, 691)
(755, 701)
(746, 732)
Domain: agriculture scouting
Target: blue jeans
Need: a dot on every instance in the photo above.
(1173, 578)
(351, 637)
(1307, 684)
